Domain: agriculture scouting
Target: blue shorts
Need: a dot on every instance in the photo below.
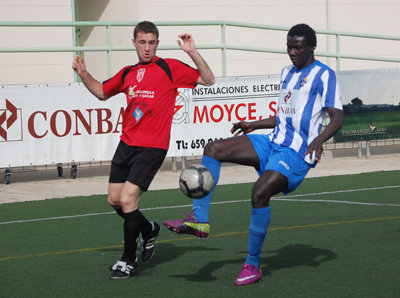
(281, 159)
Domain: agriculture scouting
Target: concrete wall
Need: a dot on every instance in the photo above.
(364, 16)
(27, 68)
(106, 10)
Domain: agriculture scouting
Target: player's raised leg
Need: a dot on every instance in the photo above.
(237, 150)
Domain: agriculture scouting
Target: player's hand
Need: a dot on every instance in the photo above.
(315, 150)
(78, 65)
(241, 128)
(187, 43)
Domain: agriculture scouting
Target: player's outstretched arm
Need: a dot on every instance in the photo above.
(187, 45)
(336, 122)
(94, 86)
(245, 127)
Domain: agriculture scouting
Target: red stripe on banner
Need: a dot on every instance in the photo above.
(13, 110)
(3, 133)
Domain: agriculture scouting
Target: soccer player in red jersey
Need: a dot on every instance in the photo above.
(150, 87)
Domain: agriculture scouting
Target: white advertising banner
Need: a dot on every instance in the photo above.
(42, 125)
(372, 86)
(207, 113)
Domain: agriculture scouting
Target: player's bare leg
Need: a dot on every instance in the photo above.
(114, 196)
(127, 196)
(237, 150)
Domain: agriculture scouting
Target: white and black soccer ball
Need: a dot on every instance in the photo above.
(196, 181)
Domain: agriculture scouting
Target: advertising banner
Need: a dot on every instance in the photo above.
(371, 104)
(42, 125)
(207, 113)
(49, 124)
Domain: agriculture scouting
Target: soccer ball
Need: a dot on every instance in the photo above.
(196, 181)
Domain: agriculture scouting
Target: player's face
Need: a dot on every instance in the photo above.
(300, 53)
(146, 46)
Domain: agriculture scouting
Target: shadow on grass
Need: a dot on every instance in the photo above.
(165, 253)
(287, 257)
(296, 255)
(168, 252)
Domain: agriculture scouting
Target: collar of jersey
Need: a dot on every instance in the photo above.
(144, 64)
(308, 66)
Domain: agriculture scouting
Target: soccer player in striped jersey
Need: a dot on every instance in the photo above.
(309, 90)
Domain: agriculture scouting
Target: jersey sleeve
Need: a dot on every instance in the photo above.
(183, 75)
(114, 85)
(330, 93)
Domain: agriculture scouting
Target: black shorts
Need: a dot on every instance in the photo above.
(137, 165)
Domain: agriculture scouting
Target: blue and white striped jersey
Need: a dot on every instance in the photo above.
(301, 109)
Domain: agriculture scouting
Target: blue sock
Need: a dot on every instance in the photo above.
(259, 222)
(201, 207)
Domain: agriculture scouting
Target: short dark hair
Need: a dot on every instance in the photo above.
(146, 27)
(306, 31)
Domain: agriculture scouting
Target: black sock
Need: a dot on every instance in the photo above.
(119, 211)
(131, 233)
(145, 226)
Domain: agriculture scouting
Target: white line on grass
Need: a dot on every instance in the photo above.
(280, 198)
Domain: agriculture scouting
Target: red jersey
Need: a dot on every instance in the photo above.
(151, 90)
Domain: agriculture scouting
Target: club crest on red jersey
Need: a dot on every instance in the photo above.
(140, 74)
